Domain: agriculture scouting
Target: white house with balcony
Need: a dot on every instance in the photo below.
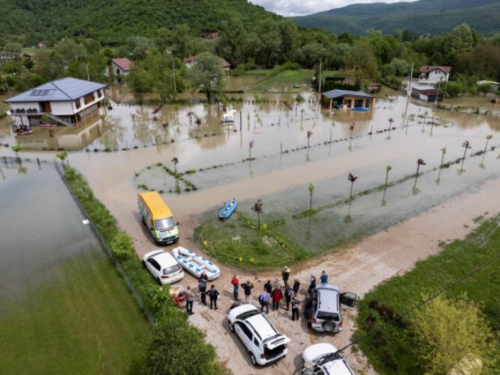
(66, 101)
(117, 68)
(432, 75)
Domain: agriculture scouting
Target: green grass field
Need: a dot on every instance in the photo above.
(81, 321)
(391, 351)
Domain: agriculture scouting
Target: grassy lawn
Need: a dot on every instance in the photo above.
(82, 321)
(284, 80)
(238, 242)
(391, 351)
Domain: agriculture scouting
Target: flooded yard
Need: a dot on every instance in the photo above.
(64, 308)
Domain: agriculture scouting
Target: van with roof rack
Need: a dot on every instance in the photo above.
(327, 312)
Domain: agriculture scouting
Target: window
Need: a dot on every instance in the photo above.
(99, 93)
(154, 263)
(327, 315)
(246, 331)
(255, 341)
(165, 223)
(169, 270)
(78, 103)
(89, 98)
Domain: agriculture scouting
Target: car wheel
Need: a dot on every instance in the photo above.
(231, 327)
(253, 360)
(329, 325)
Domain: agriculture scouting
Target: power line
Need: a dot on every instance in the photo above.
(407, 312)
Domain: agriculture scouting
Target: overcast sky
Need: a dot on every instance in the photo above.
(303, 7)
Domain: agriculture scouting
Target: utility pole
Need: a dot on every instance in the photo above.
(7, 84)
(319, 89)
(437, 96)
(175, 84)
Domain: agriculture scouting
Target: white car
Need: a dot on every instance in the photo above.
(264, 343)
(323, 359)
(163, 267)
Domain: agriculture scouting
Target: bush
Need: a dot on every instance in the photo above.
(122, 246)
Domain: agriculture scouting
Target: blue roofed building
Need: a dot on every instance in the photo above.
(345, 99)
(66, 101)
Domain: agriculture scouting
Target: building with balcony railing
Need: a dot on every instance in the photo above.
(65, 101)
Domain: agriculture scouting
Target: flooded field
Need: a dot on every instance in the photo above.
(132, 148)
(62, 301)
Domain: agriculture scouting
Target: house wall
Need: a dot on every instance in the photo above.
(434, 77)
(118, 71)
(62, 108)
(84, 106)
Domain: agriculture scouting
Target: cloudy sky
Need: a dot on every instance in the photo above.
(303, 7)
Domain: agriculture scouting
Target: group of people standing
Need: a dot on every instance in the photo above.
(269, 295)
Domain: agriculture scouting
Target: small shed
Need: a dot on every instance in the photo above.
(349, 99)
(427, 95)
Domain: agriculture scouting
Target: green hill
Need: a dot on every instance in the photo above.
(422, 17)
(112, 21)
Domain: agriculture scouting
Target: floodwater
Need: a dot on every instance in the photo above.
(62, 301)
(282, 166)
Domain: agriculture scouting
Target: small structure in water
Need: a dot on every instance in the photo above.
(228, 117)
(345, 99)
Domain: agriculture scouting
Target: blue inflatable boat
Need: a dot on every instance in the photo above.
(228, 209)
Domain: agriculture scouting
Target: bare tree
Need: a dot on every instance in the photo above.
(352, 179)
(175, 161)
(257, 208)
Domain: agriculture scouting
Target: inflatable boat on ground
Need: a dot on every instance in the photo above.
(228, 209)
(195, 264)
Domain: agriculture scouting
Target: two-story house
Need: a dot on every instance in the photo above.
(432, 75)
(117, 68)
(64, 101)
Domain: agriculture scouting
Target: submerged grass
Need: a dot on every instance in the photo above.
(392, 349)
(81, 322)
(240, 243)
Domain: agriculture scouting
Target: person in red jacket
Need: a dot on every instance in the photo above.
(276, 295)
(236, 287)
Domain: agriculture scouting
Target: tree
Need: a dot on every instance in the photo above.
(207, 74)
(250, 146)
(352, 179)
(17, 149)
(448, 330)
(362, 60)
(387, 170)
(257, 208)
(419, 163)
(178, 348)
(311, 191)
(309, 134)
(140, 82)
(62, 156)
(466, 145)
(489, 137)
(175, 161)
(160, 296)
(485, 88)
(443, 153)
(452, 89)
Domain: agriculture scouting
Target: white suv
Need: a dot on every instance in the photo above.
(257, 334)
(323, 359)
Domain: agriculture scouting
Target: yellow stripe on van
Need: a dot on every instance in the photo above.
(157, 207)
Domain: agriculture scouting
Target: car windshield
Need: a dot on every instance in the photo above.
(247, 314)
(172, 269)
(327, 315)
(165, 223)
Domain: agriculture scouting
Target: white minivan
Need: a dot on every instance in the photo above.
(264, 343)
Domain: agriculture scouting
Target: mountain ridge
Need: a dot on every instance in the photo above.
(422, 17)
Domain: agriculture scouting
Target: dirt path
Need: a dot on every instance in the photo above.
(357, 269)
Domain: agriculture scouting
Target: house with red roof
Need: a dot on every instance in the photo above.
(432, 75)
(118, 67)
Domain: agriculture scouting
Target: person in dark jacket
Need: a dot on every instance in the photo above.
(214, 295)
(295, 308)
(288, 296)
(286, 274)
(202, 287)
(189, 300)
(277, 295)
(247, 287)
(268, 286)
(312, 285)
(296, 287)
(308, 305)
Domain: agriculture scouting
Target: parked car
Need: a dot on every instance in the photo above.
(163, 267)
(323, 359)
(259, 336)
(327, 312)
